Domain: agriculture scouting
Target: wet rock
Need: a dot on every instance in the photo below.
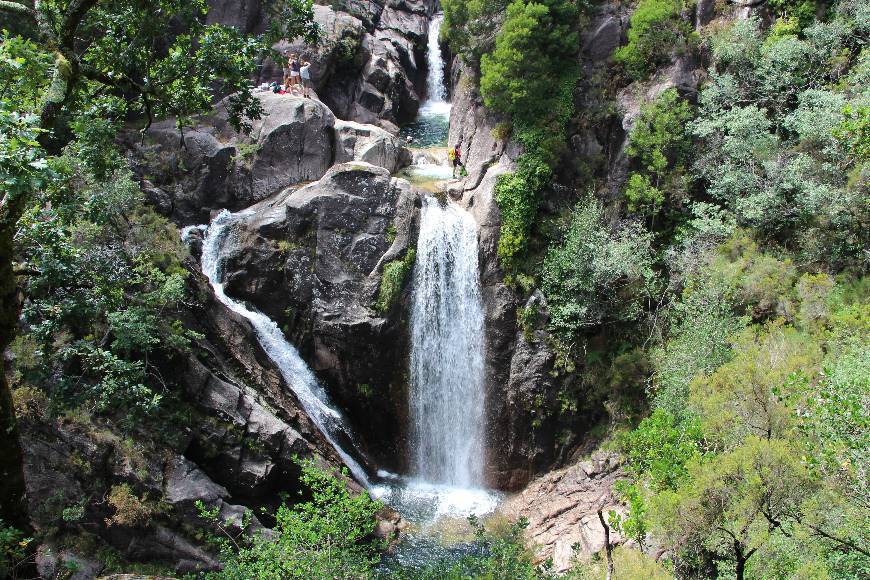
(311, 258)
(562, 510)
(355, 141)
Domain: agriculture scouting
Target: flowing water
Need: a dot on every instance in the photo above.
(433, 120)
(293, 369)
(446, 372)
(446, 369)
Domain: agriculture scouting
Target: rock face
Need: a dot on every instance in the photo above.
(562, 510)
(296, 141)
(369, 65)
(311, 258)
(358, 142)
(229, 442)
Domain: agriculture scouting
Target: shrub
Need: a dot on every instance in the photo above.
(655, 30)
(393, 280)
(598, 273)
(659, 449)
(328, 536)
(532, 48)
(518, 193)
(130, 510)
(660, 146)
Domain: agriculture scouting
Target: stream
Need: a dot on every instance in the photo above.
(446, 370)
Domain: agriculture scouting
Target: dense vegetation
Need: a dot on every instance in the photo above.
(714, 306)
(732, 287)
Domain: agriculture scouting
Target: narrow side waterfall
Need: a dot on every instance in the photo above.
(295, 372)
(447, 347)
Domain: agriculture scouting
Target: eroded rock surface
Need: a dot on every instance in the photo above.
(311, 258)
(369, 65)
(296, 141)
(562, 510)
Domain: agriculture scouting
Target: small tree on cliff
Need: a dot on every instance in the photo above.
(72, 71)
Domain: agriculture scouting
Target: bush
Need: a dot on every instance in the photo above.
(130, 510)
(655, 30)
(659, 449)
(533, 47)
(598, 273)
(659, 145)
(393, 280)
(328, 536)
(518, 193)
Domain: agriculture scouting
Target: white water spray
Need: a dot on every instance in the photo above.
(436, 93)
(447, 347)
(296, 373)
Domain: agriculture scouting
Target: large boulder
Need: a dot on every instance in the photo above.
(358, 142)
(562, 510)
(311, 258)
(189, 175)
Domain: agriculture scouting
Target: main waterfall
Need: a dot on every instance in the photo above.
(447, 344)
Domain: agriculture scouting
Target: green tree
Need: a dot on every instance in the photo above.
(327, 536)
(655, 30)
(155, 75)
(532, 48)
(731, 505)
(659, 145)
(598, 274)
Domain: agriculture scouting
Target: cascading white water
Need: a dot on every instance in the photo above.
(436, 103)
(296, 373)
(436, 91)
(447, 347)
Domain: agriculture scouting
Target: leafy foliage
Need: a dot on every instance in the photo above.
(597, 274)
(393, 280)
(655, 30)
(106, 278)
(659, 146)
(534, 50)
(327, 536)
(533, 45)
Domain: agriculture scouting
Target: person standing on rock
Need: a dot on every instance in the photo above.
(293, 63)
(305, 76)
(455, 156)
(286, 70)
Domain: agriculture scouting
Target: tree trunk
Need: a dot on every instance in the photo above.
(13, 504)
(608, 549)
(740, 568)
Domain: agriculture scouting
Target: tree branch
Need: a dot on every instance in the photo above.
(74, 15)
(9, 6)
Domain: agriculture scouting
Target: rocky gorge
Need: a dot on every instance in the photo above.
(324, 216)
(336, 292)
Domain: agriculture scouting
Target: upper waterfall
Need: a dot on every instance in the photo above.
(447, 346)
(436, 91)
(293, 369)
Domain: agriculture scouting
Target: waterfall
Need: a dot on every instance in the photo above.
(447, 347)
(293, 369)
(436, 93)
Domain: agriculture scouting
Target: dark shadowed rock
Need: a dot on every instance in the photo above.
(311, 258)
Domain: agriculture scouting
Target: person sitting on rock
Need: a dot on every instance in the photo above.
(305, 77)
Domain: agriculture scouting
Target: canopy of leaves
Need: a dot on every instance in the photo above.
(599, 273)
